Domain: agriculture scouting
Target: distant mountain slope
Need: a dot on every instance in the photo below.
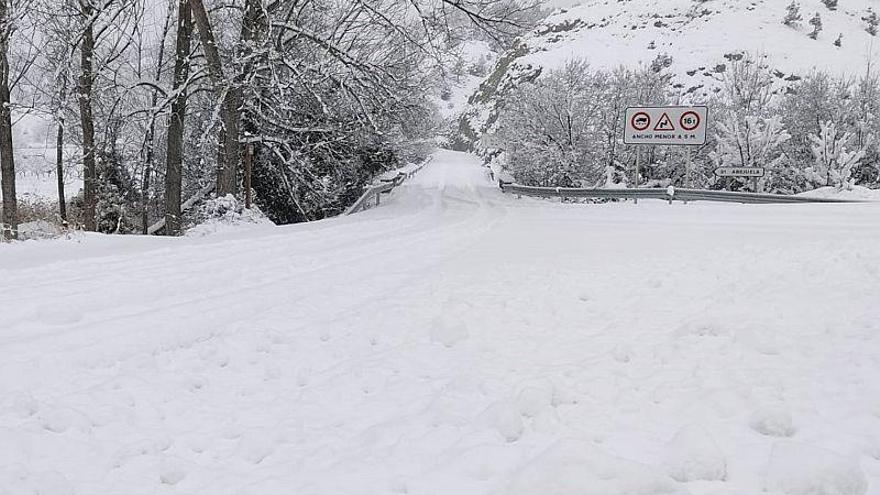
(693, 38)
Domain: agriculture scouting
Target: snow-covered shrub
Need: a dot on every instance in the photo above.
(39, 229)
(221, 212)
(834, 157)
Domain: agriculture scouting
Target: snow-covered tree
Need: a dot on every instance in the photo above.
(873, 21)
(793, 15)
(816, 22)
(748, 130)
(834, 157)
(753, 141)
(563, 130)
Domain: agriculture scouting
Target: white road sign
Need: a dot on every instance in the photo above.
(739, 172)
(671, 126)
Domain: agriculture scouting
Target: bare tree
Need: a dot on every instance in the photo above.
(150, 138)
(174, 156)
(7, 158)
(229, 97)
(87, 119)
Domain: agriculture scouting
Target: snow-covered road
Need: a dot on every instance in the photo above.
(453, 341)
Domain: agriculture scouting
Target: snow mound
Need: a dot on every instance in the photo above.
(226, 213)
(532, 400)
(576, 467)
(39, 229)
(774, 421)
(505, 419)
(857, 193)
(449, 330)
(16, 479)
(798, 469)
(693, 455)
(254, 446)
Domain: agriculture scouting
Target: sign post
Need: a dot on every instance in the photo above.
(665, 126)
(636, 180)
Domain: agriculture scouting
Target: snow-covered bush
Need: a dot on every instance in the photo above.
(217, 213)
(834, 157)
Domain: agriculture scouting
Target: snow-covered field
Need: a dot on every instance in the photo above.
(453, 341)
(36, 177)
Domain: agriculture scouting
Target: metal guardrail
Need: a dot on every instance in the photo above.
(663, 194)
(387, 185)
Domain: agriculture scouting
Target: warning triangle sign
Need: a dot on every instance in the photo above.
(665, 124)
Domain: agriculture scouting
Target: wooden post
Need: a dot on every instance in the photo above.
(248, 174)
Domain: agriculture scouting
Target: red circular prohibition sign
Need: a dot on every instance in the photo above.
(640, 121)
(685, 119)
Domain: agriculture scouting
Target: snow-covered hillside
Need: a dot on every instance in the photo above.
(454, 340)
(694, 39)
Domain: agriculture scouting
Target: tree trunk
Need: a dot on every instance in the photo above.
(174, 155)
(150, 141)
(7, 159)
(231, 102)
(86, 81)
(254, 27)
(59, 171)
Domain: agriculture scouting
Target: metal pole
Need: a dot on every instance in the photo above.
(688, 180)
(688, 174)
(638, 158)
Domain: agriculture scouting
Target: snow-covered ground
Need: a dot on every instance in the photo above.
(453, 341)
